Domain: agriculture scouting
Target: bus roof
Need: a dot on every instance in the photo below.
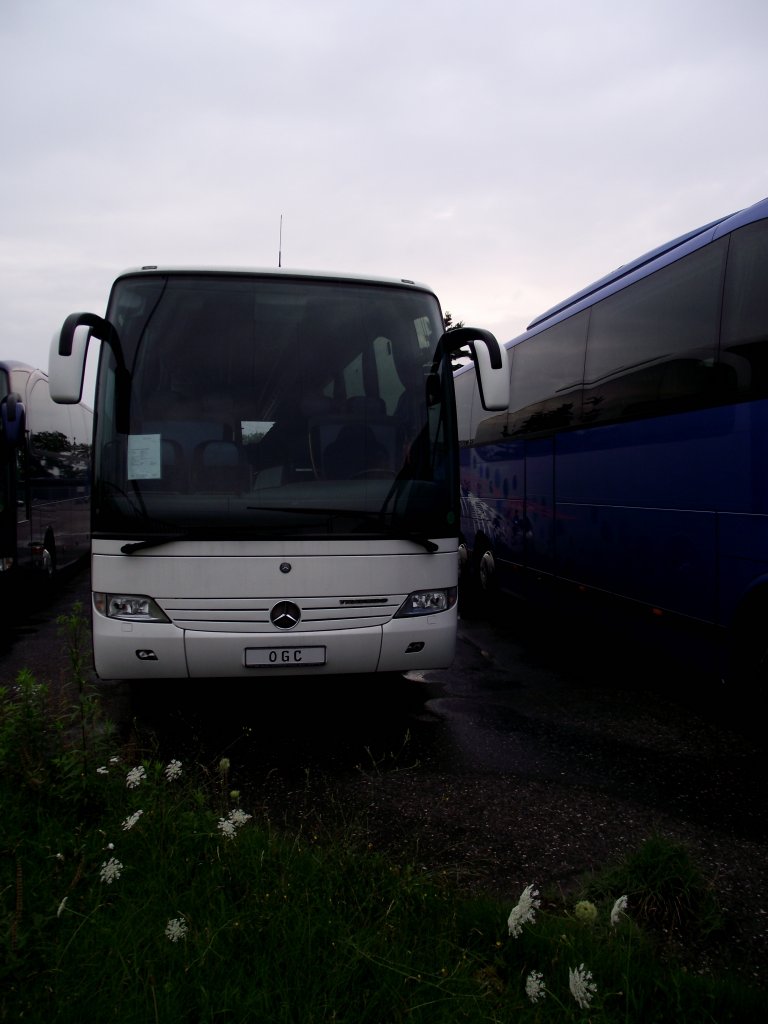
(317, 275)
(682, 242)
(16, 364)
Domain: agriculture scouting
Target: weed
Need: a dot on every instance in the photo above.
(668, 892)
(144, 891)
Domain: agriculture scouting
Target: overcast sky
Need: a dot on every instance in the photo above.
(505, 153)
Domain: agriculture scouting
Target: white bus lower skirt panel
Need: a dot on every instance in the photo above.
(123, 650)
(422, 642)
(126, 651)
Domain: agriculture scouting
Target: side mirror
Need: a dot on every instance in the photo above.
(66, 369)
(491, 363)
(66, 358)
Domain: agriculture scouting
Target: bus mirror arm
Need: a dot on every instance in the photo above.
(490, 359)
(460, 337)
(99, 328)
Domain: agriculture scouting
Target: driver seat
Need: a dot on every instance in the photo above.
(355, 450)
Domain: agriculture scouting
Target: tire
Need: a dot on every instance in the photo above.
(48, 560)
(476, 594)
(486, 573)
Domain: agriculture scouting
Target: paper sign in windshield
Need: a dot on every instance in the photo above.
(144, 457)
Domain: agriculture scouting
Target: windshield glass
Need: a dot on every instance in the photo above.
(273, 406)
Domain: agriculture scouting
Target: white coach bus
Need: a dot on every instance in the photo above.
(275, 472)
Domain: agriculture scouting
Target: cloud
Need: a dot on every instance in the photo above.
(505, 153)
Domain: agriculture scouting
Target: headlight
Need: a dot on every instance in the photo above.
(131, 607)
(427, 602)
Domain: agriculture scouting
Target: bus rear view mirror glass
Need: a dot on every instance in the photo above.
(66, 371)
(493, 380)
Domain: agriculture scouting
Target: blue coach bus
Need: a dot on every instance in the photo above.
(45, 489)
(632, 463)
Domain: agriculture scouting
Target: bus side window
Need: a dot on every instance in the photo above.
(651, 347)
(744, 343)
(52, 441)
(546, 382)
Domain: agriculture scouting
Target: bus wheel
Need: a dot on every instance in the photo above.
(479, 584)
(463, 554)
(486, 572)
(465, 580)
(49, 556)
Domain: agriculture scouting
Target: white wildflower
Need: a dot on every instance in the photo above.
(135, 777)
(173, 770)
(524, 912)
(535, 988)
(131, 820)
(103, 770)
(227, 827)
(581, 985)
(111, 870)
(234, 820)
(114, 760)
(63, 904)
(176, 929)
(239, 817)
(619, 908)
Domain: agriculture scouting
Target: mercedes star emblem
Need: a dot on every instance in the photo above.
(285, 615)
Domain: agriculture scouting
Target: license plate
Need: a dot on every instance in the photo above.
(284, 657)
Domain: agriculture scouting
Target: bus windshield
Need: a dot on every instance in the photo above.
(263, 405)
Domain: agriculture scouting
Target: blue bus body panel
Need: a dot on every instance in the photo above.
(673, 507)
(633, 461)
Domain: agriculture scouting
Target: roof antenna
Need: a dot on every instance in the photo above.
(280, 246)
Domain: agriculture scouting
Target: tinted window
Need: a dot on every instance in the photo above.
(745, 313)
(53, 450)
(546, 378)
(273, 395)
(652, 346)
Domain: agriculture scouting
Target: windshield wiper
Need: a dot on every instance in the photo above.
(155, 542)
(417, 538)
(413, 535)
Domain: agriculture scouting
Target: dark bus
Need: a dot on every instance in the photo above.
(45, 454)
(631, 464)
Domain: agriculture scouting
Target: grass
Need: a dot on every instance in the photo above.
(195, 911)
